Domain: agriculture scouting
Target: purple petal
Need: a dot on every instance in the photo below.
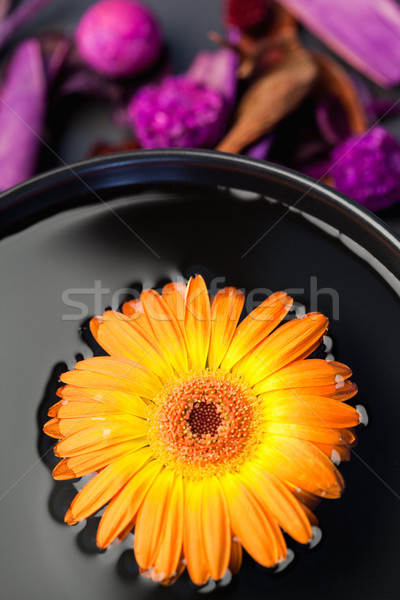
(217, 70)
(366, 33)
(24, 13)
(22, 113)
(367, 168)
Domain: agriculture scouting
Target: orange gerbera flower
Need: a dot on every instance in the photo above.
(206, 436)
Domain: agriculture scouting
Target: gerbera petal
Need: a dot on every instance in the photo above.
(193, 541)
(341, 393)
(101, 436)
(216, 527)
(251, 524)
(197, 321)
(235, 561)
(74, 410)
(302, 464)
(166, 330)
(174, 295)
(305, 373)
(335, 451)
(121, 512)
(120, 339)
(283, 346)
(118, 374)
(257, 326)
(90, 462)
(105, 485)
(278, 501)
(286, 406)
(323, 435)
(137, 317)
(169, 552)
(121, 403)
(151, 519)
(225, 314)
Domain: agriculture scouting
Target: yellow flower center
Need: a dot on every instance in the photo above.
(204, 423)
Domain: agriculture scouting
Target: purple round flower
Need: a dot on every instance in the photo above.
(177, 113)
(367, 168)
(119, 38)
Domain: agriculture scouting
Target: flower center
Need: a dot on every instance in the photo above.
(204, 423)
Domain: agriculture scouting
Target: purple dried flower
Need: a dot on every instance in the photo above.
(119, 38)
(177, 113)
(367, 168)
(191, 110)
(22, 114)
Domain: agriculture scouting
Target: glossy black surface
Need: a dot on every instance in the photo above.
(170, 214)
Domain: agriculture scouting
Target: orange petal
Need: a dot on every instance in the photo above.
(120, 515)
(166, 330)
(101, 436)
(116, 402)
(305, 373)
(151, 520)
(235, 561)
(108, 373)
(258, 533)
(283, 346)
(193, 541)
(74, 410)
(115, 334)
(137, 318)
(105, 485)
(302, 464)
(174, 295)
(324, 435)
(286, 406)
(52, 428)
(343, 453)
(225, 314)
(257, 326)
(216, 527)
(197, 322)
(84, 464)
(169, 552)
(344, 392)
(279, 501)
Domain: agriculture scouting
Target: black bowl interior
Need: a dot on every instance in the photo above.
(141, 219)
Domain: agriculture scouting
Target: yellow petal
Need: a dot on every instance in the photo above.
(174, 295)
(115, 334)
(105, 485)
(166, 330)
(257, 326)
(279, 501)
(286, 344)
(216, 527)
(120, 515)
(118, 374)
(225, 314)
(197, 322)
(302, 464)
(258, 533)
(305, 373)
(115, 401)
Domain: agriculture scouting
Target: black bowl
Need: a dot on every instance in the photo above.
(80, 239)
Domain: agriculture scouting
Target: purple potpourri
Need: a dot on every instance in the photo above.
(367, 168)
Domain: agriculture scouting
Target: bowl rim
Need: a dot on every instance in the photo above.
(35, 198)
